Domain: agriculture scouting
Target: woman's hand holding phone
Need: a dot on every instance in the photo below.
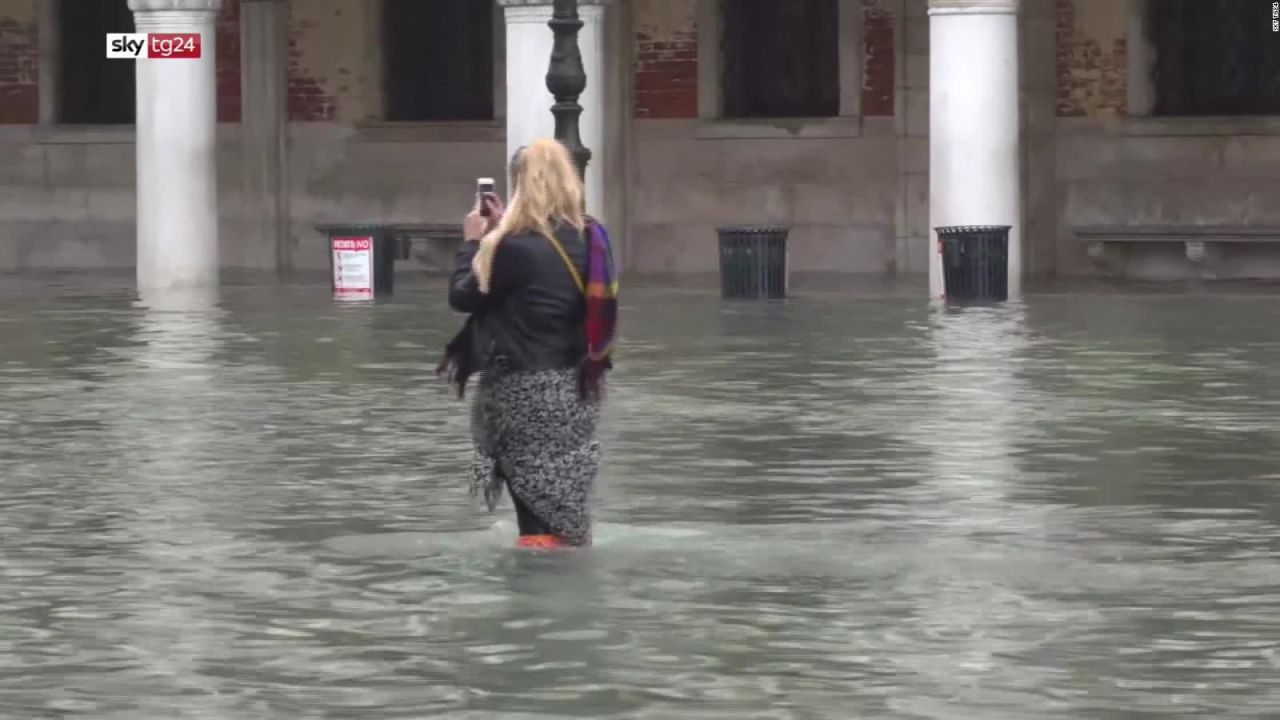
(492, 208)
(484, 216)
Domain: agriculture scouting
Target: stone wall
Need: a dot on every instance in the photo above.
(912, 125)
(858, 201)
(666, 58)
(344, 164)
(345, 175)
(1203, 173)
(839, 194)
(67, 194)
(1115, 167)
(20, 55)
(67, 201)
(1039, 77)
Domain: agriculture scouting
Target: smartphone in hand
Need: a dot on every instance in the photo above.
(484, 190)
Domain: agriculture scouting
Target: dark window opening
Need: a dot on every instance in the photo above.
(93, 90)
(1214, 57)
(438, 59)
(781, 58)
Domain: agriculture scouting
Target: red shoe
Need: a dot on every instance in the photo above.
(542, 542)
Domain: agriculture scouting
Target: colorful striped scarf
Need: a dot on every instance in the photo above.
(601, 292)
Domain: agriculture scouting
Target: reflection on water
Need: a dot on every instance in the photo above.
(829, 507)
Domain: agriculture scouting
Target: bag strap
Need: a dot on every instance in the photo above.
(568, 263)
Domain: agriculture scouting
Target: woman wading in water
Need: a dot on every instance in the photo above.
(538, 284)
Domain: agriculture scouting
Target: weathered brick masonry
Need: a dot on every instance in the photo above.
(228, 61)
(666, 60)
(19, 67)
(878, 59)
(308, 101)
(1091, 59)
(19, 91)
(666, 81)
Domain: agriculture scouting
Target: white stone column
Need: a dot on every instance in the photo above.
(974, 154)
(529, 43)
(177, 152)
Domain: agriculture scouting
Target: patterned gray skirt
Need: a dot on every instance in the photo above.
(534, 434)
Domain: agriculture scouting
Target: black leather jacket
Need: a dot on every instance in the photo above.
(532, 316)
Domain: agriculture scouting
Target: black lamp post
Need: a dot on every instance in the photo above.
(566, 79)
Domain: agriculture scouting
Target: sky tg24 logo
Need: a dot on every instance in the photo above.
(154, 46)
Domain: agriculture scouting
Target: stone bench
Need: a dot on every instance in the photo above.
(1202, 244)
(433, 244)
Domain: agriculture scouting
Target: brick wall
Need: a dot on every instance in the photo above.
(666, 60)
(19, 94)
(314, 27)
(228, 61)
(1091, 58)
(877, 52)
(19, 63)
(308, 102)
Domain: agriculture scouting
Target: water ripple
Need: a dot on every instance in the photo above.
(1057, 509)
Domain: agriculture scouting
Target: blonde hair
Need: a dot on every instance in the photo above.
(546, 190)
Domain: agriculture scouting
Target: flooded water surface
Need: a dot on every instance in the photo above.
(840, 506)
